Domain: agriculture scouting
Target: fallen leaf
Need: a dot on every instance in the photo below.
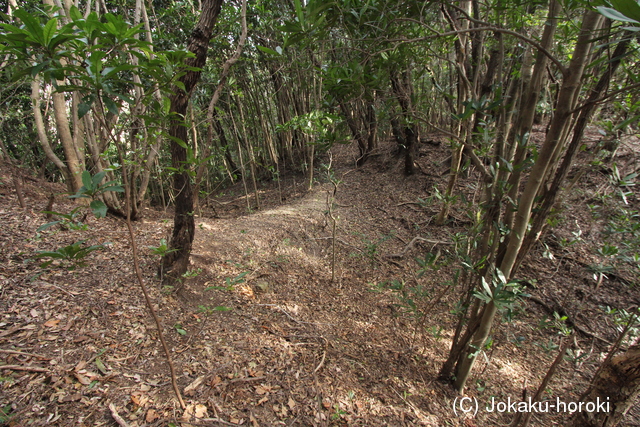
(197, 410)
(82, 379)
(70, 398)
(262, 389)
(151, 416)
(51, 323)
(291, 403)
(101, 367)
(190, 390)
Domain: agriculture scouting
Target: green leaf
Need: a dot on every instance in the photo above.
(630, 8)
(75, 13)
(615, 15)
(269, 51)
(31, 24)
(97, 179)
(114, 188)
(101, 367)
(99, 208)
(84, 108)
(47, 225)
(49, 30)
(87, 181)
(111, 105)
(486, 287)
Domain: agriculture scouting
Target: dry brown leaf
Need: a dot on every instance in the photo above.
(151, 416)
(51, 323)
(82, 379)
(291, 403)
(70, 398)
(135, 399)
(195, 410)
(190, 390)
(263, 389)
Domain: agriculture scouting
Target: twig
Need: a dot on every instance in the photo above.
(324, 356)
(24, 368)
(283, 311)
(543, 385)
(246, 380)
(413, 242)
(24, 354)
(136, 265)
(117, 418)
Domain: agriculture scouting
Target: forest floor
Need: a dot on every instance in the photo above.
(261, 335)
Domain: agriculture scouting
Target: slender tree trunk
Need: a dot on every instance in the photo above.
(562, 115)
(42, 135)
(175, 263)
(551, 193)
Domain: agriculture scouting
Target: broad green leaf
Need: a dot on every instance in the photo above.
(629, 8)
(75, 13)
(87, 181)
(267, 50)
(114, 188)
(97, 179)
(99, 208)
(84, 108)
(615, 15)
(47, 225)
(111, 105)
(49, 31)
(101, 367)
(32, 25)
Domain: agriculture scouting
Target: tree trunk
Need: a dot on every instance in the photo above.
(175, 263)
(561, 117)
(616, 388)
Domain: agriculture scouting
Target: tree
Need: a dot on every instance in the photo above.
(176, 261)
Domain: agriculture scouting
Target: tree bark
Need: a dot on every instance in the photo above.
(175, 263)
(617, 386)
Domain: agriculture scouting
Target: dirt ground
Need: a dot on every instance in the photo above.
(261, 335)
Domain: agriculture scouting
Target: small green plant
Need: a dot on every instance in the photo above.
(371, 247)
(231, 282)
(412, 297)
(208, 310)
(558, 322)
(92, 188)
(162, 249)
(549, 346)
(338, 412)
(71, 256)
(192, 273)
(179, 329)
(6, 414)
(70, 221)
(505, 295)
(436, 331)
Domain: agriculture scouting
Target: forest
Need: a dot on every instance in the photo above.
(319, 213)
